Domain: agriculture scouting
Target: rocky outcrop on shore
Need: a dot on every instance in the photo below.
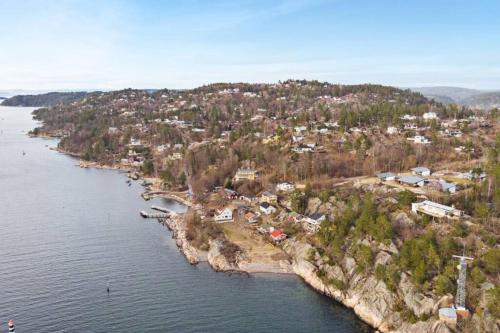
(177, 225)
(369, 298)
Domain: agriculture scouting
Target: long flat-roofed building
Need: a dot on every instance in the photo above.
(435, 209)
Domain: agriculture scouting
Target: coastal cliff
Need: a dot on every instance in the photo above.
(370, 299)
(177, 225)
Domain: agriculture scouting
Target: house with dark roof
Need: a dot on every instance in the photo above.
(313, 221)
(267, 208)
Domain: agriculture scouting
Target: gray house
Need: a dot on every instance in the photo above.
(412, 181)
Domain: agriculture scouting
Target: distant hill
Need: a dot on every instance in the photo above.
(48, 99)
(441, 98)
(487, 100)
(477, 99)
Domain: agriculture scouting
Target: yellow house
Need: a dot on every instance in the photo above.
(271, 139)
(245, 174)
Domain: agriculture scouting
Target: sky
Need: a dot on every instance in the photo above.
(114, 44)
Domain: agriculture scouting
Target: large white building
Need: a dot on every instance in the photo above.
(435, 209)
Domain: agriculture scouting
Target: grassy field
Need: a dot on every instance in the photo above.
(257, 248)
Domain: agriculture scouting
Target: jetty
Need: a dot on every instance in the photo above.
(163, 209)
(154, 215)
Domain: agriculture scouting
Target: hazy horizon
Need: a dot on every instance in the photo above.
(81, 45)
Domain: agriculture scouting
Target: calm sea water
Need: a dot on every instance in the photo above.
(67, 233)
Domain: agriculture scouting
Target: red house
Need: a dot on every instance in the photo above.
(277, 235)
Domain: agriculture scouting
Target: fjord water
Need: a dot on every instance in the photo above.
(67, 233)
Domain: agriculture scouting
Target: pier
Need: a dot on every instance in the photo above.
(162, 209)
(154, 215)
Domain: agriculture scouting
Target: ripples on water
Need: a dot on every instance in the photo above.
(67, 233)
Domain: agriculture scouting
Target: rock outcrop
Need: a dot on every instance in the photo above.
(217, 260)
(369, 298)
(414, 300)
(177, 225)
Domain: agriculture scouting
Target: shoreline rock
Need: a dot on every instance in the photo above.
(370, 299)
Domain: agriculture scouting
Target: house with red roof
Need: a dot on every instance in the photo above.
(277, 235)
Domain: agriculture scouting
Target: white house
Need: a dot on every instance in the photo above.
(421, 139)
(313, 221)
(384, 176)
(430, 115)
(411, 127)
(448, 187)
(435, 209)
(302, 149)
(266, 208)
(224, 215)
(392, 130)
(285, 187)
(300, 129)
(421, 171)
(408, 117)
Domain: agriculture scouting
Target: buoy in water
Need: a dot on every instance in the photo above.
(12, 328)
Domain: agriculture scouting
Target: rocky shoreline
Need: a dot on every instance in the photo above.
(369, 298)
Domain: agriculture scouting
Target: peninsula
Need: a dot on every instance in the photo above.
(365, 191)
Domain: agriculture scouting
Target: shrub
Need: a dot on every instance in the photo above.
(230, 251)
(364, 257)
(477, 276)
(491, 261)
(380, 272)
(460, 230)
(338, 284)
(405, 198)
(493, 299)
(443, 285)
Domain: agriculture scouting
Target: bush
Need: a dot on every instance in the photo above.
(230, 251)
(491, 261)
(380, 272)
(338, 284)
(443, 285)
(477, 276)
(324, 195)
(493, 299)
(364, 257)
(460, 230)
(199, 234)
(405, 198)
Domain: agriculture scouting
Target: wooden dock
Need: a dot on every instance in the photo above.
(154, 215)
(162, 209)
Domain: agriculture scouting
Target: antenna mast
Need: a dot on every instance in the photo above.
(462, 275)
